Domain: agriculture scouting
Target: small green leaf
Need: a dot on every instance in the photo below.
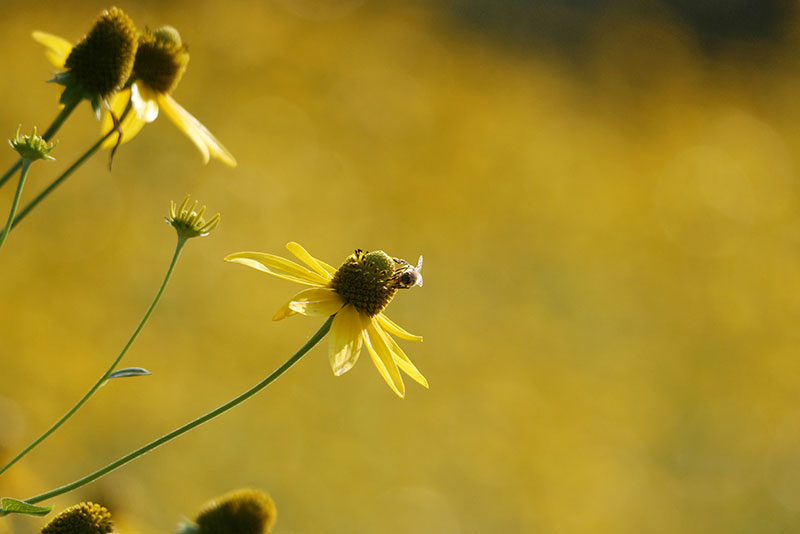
(129, 371)
(13, 506)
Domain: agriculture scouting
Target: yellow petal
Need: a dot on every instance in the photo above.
(382, 358)
(403, 362)
(345, 343)
(277, 266)
(315, 302)
(58, 49)
(130, 125)
(301, 254)
(393, 328)
(284, 311)
(144, 102)
(194, 130)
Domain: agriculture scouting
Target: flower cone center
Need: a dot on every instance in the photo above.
(161, 59)
(103, 60)
(366, 280)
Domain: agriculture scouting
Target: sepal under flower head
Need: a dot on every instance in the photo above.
(101, 62)
(161, 59)
(244, 511)
(31, 147)
(83, 518)
(188, 221)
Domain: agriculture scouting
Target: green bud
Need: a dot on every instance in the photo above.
(31, 147)
(188, 222)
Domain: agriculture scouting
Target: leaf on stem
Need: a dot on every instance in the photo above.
(129, 371)
(14, 506)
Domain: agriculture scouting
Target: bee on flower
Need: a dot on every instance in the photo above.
(356, 294)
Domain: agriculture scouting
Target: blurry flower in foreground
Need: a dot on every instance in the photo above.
(161, 59)
(83, 518)
(100, 64)
(31, 147)
(244, 511)
(356, 293)
(188, 222)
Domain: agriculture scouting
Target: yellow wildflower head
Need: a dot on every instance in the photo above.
(244, 511)
(188, 221)
(83, 518)
(355, 295)
(161, 59)
(102, 62)
(369, 280)
(31, 147)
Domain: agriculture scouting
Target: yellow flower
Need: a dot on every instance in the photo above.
(161, 58)
(356, 293)
(101, 62)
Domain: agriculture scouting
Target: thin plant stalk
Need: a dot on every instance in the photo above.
(190, 425)
(104, 377)
(66, 174)
(51, 131)
(26, 165)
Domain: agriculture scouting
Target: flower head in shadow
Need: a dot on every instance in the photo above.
(100, 64)
(244, 511)
(83, 518)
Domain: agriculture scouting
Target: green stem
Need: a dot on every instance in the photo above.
(26, 165)
(104, 377)
(55, 183)
(51, 131)
(192, 424)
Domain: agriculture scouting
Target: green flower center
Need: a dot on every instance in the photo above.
(102, 61)
(161, 59)
(367, 280)
(83, 518)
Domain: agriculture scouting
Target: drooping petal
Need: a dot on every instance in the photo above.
(145, 102)
(403, 362)
(194, 130)
(58, 49)
(130, 125)
(393, 328)
(315, 302)
(382, 358)
(277, 266)
(302, 254)
(344, 346)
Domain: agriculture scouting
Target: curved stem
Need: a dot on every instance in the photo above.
(26, 165)
(51, 131)
(190, 425)
(104, 377)
(55, 183)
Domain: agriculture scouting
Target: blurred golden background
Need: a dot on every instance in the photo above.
(605, 195)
